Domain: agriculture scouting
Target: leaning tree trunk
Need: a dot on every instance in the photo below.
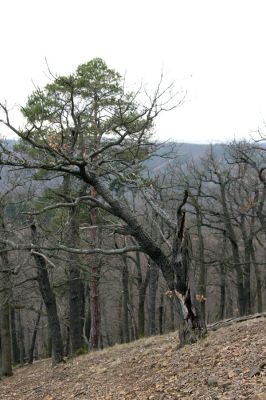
(48, 299)
(189, 326)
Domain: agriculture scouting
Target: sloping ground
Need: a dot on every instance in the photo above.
(219, 367)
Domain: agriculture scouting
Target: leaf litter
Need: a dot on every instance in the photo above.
(228, 364)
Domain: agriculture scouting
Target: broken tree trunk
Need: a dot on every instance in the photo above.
(190, 325)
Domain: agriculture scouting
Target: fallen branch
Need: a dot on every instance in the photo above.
(231, 321)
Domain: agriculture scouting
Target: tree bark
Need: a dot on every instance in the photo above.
(161, 314)
(201, 293)
(142, 288)
(6, 340)
(94, 285)
(190, 325)
(221, 314)
(153, 286)
(5, 295)
(222, 272)
(95, 309)
(76, 287)
(87, 323)
(34, 336)
(15, 347)
(247, 239)
(49, 301)
(259, 283)
(21, 341)
(125, 301)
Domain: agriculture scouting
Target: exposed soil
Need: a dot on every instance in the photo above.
(228, 364)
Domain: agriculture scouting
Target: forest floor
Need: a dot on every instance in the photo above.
(228, 364)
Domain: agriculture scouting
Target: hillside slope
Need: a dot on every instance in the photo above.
(219, 367)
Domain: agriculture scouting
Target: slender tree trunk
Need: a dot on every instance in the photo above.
(153, 286)
(134, 330)
(21, 341)
(76, 294)
(34, 335)
(229, 301)
(6, 341)
(223, 291)
(172, 314)
(141, 313)
(94, 285)
(247, 267)
(87, 327)
(76, 287)
(95, 307)
(49, 347)
(247, 281)
(5, 338)
(125, 301)
(120, 319)
(240, 279)
(49, 301)
(221, 314)
(201, 293)
(5, 295)
(15, 348)
(67, 351)
(105, 322)
(161, 314)
(258, 280)
(142, 288)
(237, 265)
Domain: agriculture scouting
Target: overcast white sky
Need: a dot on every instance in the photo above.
(213, 49)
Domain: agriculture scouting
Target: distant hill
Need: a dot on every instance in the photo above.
(173, 152)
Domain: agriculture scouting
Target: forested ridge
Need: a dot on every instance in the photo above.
(108, 236)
